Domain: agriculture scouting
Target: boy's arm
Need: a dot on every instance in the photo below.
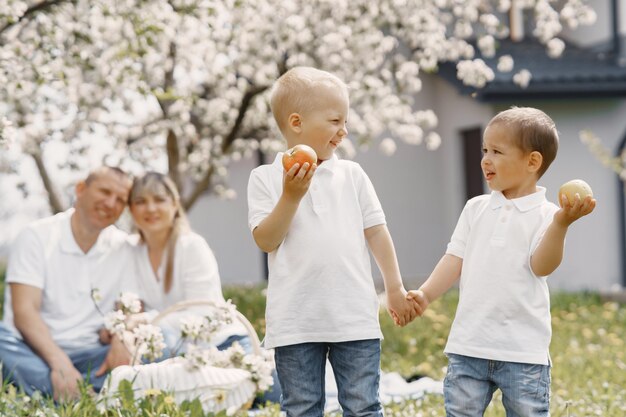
(381, 245)
(270, 233)
(445, 274)
(549, 253)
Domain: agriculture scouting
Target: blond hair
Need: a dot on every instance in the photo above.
(295, 92)
(154, 183)
(100, 171)
(533, 130)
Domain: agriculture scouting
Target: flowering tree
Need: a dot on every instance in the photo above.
(604, 155)
(186, 81)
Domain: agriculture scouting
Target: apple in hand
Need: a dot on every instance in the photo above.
(573, 187)
(299, 154)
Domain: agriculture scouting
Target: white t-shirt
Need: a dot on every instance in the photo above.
(195, 276)
(45, 255)
(320, 282)
(504, 308)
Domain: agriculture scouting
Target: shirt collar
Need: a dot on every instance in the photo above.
(526, 203)
(68, 243)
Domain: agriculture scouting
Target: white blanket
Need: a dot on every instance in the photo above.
(393, 388)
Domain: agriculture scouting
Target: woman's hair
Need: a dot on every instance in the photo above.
(154, 183)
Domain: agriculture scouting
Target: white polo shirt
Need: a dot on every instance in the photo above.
(45, 255)
(504, 308)
(320, 281)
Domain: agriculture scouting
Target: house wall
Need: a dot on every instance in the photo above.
(592, 256)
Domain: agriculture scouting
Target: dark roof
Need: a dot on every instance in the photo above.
(578, 73)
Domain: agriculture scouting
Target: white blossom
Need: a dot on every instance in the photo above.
(95, 295)
(196, 357)
(487, 46)
(433, 141)
(149, 341)
(196, 328)
(129, 303)
(192, 327)
(474, 73)
(555, 47)
(388, 146)
(505, 63)
(522, 78)
(129, 74)
(115, 322)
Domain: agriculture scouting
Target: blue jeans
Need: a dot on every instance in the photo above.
(24, 368)
(356, 365)
(471, 382)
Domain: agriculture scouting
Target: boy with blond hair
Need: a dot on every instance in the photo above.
(503, 248)
(316, 223)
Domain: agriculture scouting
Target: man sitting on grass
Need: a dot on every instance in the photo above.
(63, 271)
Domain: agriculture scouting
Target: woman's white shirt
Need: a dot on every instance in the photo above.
(195, 276)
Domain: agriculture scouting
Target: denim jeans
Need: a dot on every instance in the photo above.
(356, 365)
(24, 368)
(470, 383)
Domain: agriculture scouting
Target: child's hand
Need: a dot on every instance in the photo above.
(419, 299)
(400, 308)
(570, 212)
(296, 181)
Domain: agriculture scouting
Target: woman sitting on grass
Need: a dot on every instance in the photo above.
(174, 264)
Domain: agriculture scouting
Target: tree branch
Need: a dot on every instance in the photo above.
(53, 197)
(173, 152)
(173, 158)
(34, 9)
(201, 186)
(243, 108)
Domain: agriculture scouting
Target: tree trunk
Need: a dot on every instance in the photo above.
(53, 197)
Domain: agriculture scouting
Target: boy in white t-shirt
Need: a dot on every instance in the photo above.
(317, 222)
(503, 249)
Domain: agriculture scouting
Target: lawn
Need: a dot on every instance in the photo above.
(588, 377)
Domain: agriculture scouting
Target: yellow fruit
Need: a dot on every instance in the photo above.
(573, 187)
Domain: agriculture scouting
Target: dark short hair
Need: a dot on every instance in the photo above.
(533, 130)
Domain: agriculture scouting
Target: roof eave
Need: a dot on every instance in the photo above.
(548, 92)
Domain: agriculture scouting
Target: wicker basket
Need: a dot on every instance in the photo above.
(217, 388)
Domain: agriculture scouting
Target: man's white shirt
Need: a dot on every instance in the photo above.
(77, 287)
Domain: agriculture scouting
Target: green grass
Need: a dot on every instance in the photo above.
(588, 377)
(589, 369)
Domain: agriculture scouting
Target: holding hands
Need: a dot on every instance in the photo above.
(419, 299)
(401, 308)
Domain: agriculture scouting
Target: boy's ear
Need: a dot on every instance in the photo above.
(535, 160)
(295, 122)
